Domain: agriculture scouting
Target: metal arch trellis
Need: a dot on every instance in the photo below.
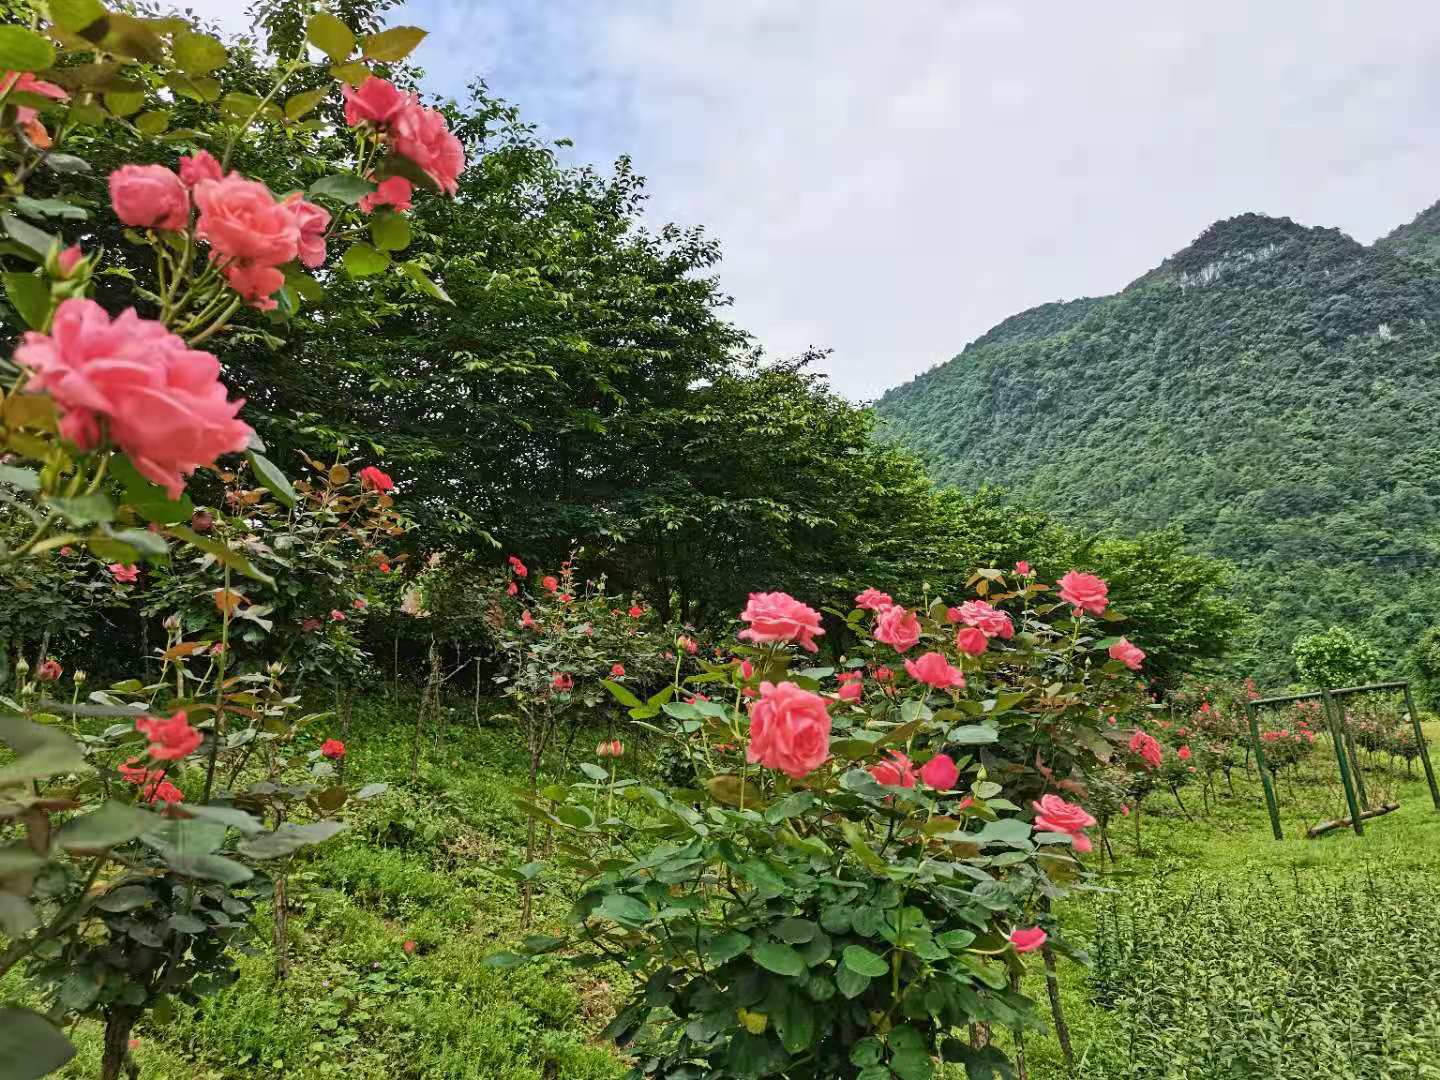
(1340, 735)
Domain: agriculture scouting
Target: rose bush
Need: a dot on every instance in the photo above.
(850, 882)
(136, 854)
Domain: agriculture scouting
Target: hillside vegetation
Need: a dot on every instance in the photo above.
(1270, 390)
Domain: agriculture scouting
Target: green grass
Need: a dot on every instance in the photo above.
(1251, 957)
(1211, 906)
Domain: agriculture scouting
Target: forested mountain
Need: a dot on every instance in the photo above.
(1272, 390)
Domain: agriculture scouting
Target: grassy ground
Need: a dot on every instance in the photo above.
(417, 866)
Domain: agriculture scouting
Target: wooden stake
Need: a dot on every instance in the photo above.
(1341, 823)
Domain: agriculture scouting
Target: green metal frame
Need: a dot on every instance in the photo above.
(1356, 798)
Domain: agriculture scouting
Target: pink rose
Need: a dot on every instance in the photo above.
(550, 583)
(618, 670)
(747, 670)
(423, 136)
(1148, 749)
(333, 749)
(988, 619)
(850, 691)
(170, 739)
(1129, 655)
(25, 82)
(514, 561)
(69, 259)
(789, 730)
(562, 682)
(873, 600)
(1027, 940)
(1084, 592)
(897, 628)
(375, 101)
(132, 380)
(1022, 568)
(393, 191)
(336, 615)
(940, 773)
(149, 197)
(199, 166)
(934, 670)
(526, 619)
(242, 220)
(255, 283)
(49, 671)
(778, 616)
(971, 640)
(312, 221)
(1183, 753)
(1054, 814)
(895, 771)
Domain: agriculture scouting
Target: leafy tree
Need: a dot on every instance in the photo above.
(1337, 657)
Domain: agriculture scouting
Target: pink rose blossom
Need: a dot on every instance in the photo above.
(883, 674)
(1129, 655)
(550, 583)
(562, 682)
(1022, 568)
(636, 611)
(68, 259)
(170, 739)
(515, 564)
(934, 670)
(789, 730)
(850, 691)
(618, 670)
(132, 380)
(423, 136)
(49, 671)
(1027, 940)
(971, 640)
(241, 220)
(1183, 753)
(940, 773)
(149, 197)
(898, 628)
(336, 615)
(199, 166)
(895, 771)
(359, 603)
(127, 574)
(312, 221)
(256, 284)
(778, 616)
(333, 749)
(526, 619)
(987, 618)
(747, 670)
(393, 191)
(375, 101)
(1054, 814)
(873, 600)
(1148, 749)
(1084, 592)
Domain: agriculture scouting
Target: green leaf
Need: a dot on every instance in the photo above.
(126, 898)
(74, 15)
(30, 1045)
(152, 123)
(362, 260)
(390, 231)
(269, 474)
(972, 735)
(110, 826)
(416, 273)
(148, 499)
(226, 815)
(850, 982)
(18, 859)
(50, 759)
(42, 208)
(370, 791)
(1010, 831)
(289, 838)
(124, 102)
(198, 54)
(621, 693)
(625, 909)
(342, 187)
(24, 50)
(209, 867)
(330, 36)
(302, 103)
(83, 509)
(504, 960)
(390, 46)
(796, 931)
(779, 958)
(21, 479)
(30, 297)
(67, 163)
(593, 771)
(185, 923)
(225, 555)
(726, 947)
(864, 962)
(28, 236)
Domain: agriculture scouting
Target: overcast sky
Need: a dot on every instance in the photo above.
(890, 179)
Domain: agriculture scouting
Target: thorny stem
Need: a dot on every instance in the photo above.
(218, 731)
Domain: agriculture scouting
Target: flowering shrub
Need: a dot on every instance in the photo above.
(853, 878)
(1335, 658)
(139, 846)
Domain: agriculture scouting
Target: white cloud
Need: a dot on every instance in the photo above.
(891, 179)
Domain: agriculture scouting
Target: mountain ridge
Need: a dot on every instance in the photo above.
(1267, 390)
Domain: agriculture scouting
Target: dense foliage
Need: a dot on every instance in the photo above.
(1269, 390)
